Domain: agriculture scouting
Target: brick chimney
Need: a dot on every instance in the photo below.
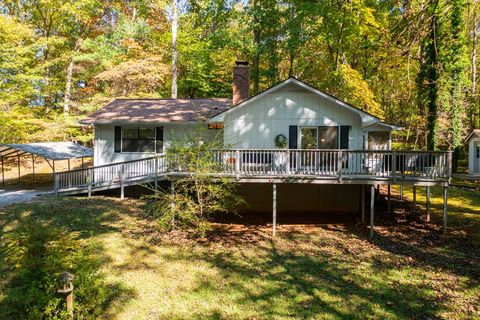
(241, 82)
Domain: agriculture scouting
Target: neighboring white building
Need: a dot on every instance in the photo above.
(473, 140)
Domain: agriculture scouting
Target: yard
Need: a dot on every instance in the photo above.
(409, 271)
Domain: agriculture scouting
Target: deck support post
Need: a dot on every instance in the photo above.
(401, 192)
(56, 183)
(274, 209)
(427, 204)
(389, 202)
(172, 191)
(89, 178)
(155, 163)
(445, 210)
(18, 166)
(68, 161)
(122, 187)
(82, 163)
(362, 203)
(372, 208)
(414, 199)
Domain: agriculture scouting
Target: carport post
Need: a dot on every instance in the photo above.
(372, 208)
(274, 209)
(18, 165)
(427, 204)
(362, 203)
(33, 168)
(445, 209)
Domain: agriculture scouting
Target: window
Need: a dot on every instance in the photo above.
(378, 140)
(308, 138)
(328, 137)
(141, 139)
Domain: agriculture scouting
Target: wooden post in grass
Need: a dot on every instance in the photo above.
(372, 208)
(427, 204)
(65, 281)
(362, 203)
(401, 192)
(274, 209)
(414, 199)
(445, 210)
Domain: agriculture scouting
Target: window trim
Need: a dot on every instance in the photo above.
(140, 152)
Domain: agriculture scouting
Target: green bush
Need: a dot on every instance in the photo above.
(33, 256)
(197, 194)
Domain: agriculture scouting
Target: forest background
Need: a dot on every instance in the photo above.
(412, 63)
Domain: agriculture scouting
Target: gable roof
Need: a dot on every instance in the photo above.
(367, 118)
(475, 133)
(157, 110)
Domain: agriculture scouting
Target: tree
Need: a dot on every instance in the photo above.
(195, 195)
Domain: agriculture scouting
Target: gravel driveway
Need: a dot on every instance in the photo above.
(16, 196)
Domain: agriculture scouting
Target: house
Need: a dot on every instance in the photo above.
(473, 140)
(320, 152)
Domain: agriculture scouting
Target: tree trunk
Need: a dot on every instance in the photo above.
(475, 110)
(174, 48)
(68, 87)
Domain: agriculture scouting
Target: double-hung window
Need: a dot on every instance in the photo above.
(139, 139)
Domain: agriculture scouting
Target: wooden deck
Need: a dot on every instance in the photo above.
(419, 168)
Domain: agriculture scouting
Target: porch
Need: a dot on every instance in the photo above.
(361, 167)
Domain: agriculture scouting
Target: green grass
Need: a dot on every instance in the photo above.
(409, 271)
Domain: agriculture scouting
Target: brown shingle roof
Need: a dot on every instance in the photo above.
(157, 110)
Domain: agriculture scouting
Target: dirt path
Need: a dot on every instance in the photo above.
(16, 196)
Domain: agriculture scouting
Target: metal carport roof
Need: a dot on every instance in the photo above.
(48, 150)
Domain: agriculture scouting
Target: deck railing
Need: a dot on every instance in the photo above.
(373, 164)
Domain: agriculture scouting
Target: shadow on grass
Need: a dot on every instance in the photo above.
(41, 239)
(297, 276)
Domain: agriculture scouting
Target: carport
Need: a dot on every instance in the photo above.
(50, 151)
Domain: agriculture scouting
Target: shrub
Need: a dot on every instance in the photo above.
(197, 194)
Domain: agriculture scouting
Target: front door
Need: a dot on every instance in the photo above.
(308, 141)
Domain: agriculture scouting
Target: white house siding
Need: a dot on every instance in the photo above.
(256, 124)
(104, 141)
(473, 162)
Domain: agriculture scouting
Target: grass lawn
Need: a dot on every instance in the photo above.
(409, 271)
